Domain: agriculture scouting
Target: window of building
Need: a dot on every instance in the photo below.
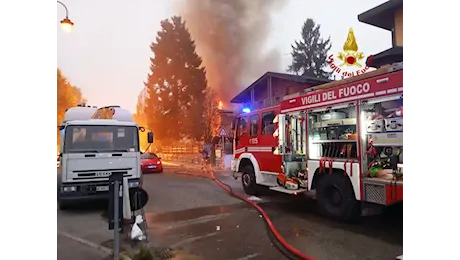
(268, 128)
(290, 90)
(254, 125)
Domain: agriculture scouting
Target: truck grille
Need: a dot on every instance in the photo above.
(98, 174)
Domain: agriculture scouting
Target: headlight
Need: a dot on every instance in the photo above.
(69, 189)
(133, 184)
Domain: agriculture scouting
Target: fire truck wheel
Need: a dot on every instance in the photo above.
(336, 198)
(248, 180)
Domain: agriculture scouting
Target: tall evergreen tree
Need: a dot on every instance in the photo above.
(309, 55)
(176, 84)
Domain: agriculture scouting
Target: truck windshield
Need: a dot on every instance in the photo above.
(100, 138)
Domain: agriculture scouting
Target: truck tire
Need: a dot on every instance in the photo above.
(336, 198)
(248, 179)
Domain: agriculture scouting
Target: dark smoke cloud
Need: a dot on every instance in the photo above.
(230, 35)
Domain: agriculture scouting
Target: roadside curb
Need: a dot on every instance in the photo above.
(196, 171)
(181, 164)
(92, 244)
(194, 167)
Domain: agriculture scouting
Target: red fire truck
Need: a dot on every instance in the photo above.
(341, 141)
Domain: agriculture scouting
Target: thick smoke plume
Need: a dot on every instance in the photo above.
(231, 35)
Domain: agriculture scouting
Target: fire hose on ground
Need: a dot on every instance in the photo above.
(264, 215)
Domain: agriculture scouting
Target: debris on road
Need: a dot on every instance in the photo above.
(254, 198)
(136, 231)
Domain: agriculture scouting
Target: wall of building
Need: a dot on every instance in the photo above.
(261, 91)
(280, 88)
(226, 123)
(399, 27)
(283, 87)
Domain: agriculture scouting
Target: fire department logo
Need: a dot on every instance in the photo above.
(352, 61)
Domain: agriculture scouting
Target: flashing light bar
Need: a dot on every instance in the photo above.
(246, 110)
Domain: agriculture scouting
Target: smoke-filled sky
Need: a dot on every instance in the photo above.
(231, 37)
(107, 54)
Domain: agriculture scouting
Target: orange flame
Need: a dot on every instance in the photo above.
(220, 106)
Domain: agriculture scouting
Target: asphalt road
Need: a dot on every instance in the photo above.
(69, 249)
(197, 218)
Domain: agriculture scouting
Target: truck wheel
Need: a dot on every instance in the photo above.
(248, 179)
(336, 198)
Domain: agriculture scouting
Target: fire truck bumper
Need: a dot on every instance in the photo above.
(233, 165)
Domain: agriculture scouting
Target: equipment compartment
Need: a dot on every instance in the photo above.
(394, 124)
(375, 126)
(333, 116)
(335, 122)
(333, 133)
(387, 139)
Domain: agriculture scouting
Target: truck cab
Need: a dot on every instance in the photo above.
(93, 146)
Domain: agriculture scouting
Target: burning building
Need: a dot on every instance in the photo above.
(271, 87)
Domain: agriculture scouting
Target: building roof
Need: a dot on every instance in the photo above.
(288, 77)
(390, 56)
(381, 16)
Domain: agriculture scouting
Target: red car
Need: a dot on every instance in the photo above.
(151, 163)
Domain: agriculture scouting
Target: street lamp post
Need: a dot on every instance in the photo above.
(66, 24)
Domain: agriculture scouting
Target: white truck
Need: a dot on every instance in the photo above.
(96, 142)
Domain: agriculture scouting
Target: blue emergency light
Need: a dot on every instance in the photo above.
(246, 110)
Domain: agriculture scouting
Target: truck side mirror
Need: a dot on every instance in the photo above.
(150, 137)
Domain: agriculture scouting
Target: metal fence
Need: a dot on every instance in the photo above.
(180, 149)
(191, 153)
